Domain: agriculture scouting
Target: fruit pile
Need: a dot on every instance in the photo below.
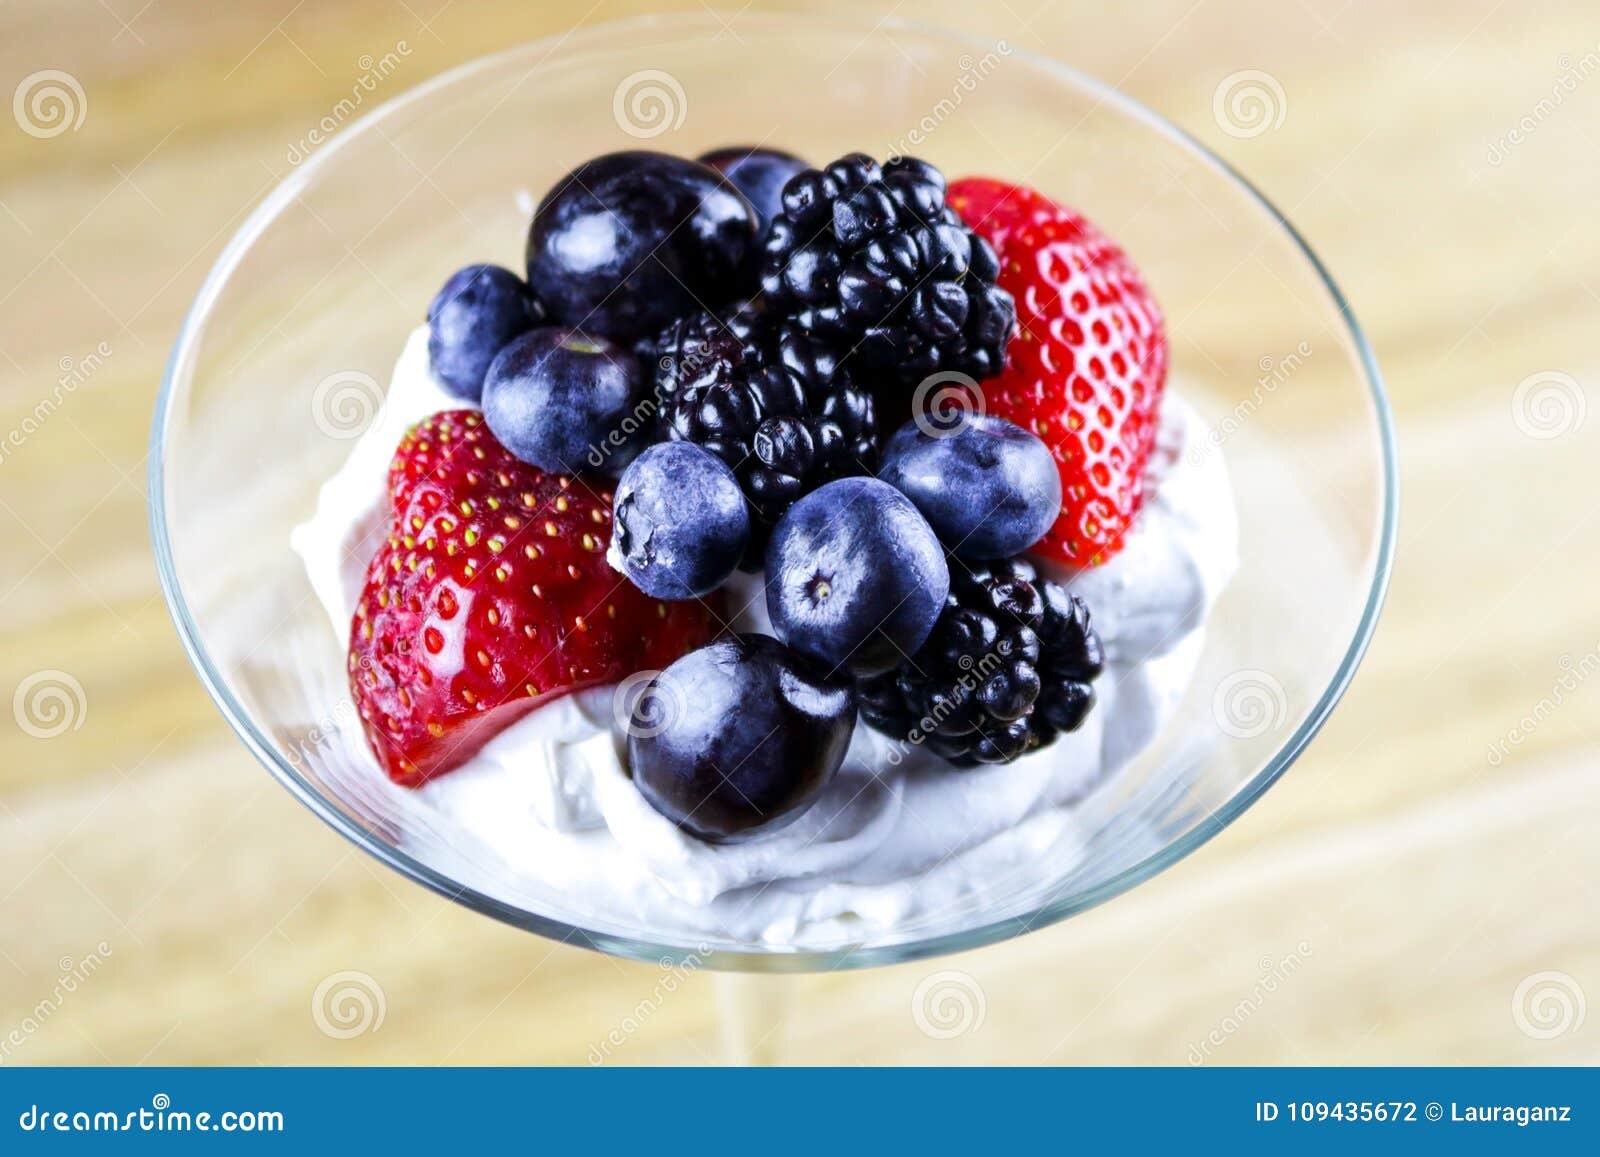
(726, 363)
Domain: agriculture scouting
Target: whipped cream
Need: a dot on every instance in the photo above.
(897, 840)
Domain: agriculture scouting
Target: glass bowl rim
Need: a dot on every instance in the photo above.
(752, 958)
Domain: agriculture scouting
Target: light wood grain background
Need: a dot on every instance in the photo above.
(1442, 156)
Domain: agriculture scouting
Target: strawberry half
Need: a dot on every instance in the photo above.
(491, 597)
(1086, 369)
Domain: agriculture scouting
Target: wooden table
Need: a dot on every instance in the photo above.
(1442, 157)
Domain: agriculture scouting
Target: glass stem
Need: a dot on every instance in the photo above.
(752, 1011)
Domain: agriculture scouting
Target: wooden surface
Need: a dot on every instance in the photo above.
(1402, 890)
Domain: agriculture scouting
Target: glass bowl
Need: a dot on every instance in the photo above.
(284, 354)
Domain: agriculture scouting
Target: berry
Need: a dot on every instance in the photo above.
(1008, 668)
(479, 310)
(1088, 366)
(760, 174)
(681, 523)
(772, 402)
(628, 241)
(873, 260)
(855, 576)
(490, 597)
(703, 345)
(738, 738)
(558, 399)
(988, 488)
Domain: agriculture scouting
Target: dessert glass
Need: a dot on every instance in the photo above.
(286, 353)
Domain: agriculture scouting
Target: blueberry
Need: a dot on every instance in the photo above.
(855, 576)
(738, 738)
(629, 241)
(760, 174)
(680, 524)
(565, 401)
(989, 489)
(479, 310)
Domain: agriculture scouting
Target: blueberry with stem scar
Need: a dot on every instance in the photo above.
(855, 576)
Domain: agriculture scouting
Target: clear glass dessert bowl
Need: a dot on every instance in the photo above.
(285, 356)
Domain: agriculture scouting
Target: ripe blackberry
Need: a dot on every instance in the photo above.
(1007, 669)
(874, 260)
(770, 400)
(699, 345)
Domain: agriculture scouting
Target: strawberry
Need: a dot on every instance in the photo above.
(1086, 369)
(492, 596)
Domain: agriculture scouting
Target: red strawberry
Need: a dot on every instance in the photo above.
(1086, 369)
(492, 596)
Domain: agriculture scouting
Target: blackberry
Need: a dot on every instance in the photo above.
(699, 345)
(1007, 669)
(770, 400)
(872, 259)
